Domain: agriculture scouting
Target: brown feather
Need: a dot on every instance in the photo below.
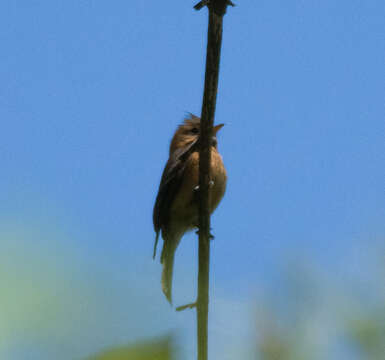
(176, 207)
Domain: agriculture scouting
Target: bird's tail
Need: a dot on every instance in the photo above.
(167, 260)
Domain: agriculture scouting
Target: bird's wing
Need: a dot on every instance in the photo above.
(169, 185)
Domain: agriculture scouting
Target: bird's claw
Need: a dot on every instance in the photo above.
(211, 184)
(211, 236)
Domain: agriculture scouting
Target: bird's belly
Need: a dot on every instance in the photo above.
(184, 210)
(219, 179)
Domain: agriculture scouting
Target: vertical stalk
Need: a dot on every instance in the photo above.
(217, 9)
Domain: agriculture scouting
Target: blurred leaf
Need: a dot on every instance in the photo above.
(151, 350)
(273, 348)
(369, 333)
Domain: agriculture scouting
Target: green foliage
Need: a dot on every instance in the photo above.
(321, 319)
(368, 332)
(150, 350)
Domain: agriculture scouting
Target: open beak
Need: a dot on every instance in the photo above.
(217, 127)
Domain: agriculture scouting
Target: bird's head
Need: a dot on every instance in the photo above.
(188, 133)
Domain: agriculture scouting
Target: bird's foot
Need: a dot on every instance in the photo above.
(211, 184)
(211, 236)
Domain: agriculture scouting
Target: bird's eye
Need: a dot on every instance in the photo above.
(195, 130)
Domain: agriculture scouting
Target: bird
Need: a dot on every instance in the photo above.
(176, 205)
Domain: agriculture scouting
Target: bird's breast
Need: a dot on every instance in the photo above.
(184, 209)
(219, 179)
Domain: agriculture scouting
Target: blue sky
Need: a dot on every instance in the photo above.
(90, 95)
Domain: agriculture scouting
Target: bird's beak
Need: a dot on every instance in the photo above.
(217, 127)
